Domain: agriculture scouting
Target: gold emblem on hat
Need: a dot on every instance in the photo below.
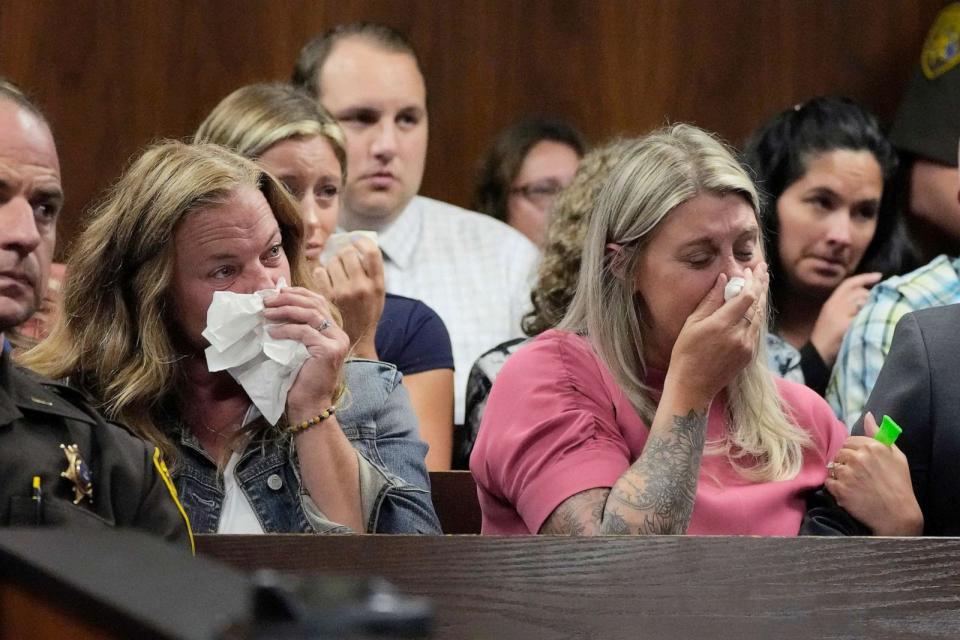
(941, 49)
(78, 473)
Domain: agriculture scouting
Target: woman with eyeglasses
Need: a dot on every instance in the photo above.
(529, 163)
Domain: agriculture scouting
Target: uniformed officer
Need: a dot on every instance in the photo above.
(61, 463)
(925, 133)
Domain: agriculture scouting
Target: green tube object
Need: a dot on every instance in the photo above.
(889, 432)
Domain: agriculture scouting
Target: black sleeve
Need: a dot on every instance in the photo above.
(412, 336)
(816, 373)
(824, 517)
(160, 511)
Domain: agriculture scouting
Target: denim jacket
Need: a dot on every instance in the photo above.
(376, 417)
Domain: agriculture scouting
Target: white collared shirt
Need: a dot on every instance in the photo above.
(473, 270)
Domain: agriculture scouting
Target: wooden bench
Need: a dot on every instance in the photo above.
(643, 587)
(455, 501)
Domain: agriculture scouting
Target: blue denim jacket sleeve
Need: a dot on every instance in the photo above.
(379, 421)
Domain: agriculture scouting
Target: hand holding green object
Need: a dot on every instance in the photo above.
(889, 432)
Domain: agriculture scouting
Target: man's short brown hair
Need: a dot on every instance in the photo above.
(306, 72)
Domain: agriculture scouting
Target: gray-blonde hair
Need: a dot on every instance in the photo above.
(665, 169)
(255, 117)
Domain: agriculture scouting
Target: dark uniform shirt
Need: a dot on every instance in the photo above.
(129, 484)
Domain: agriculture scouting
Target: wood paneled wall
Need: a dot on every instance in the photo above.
(115, 74)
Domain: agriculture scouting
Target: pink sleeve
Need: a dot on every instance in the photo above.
(549, 429)
(814, 414)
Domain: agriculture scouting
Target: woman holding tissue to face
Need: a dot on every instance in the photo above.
(191, 225)
(650, 410)
(823, 165)
(289, 135)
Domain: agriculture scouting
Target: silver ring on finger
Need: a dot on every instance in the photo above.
(323, 325)
(832, 470)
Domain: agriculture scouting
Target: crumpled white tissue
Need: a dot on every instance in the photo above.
(337, 241)
(240, 344)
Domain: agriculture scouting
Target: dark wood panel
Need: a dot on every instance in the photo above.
(655, 587)
(115, 74)
(455, 500)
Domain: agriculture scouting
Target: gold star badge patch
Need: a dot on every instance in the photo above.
(78, 473)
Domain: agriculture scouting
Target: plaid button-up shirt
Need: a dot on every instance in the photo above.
(868, 340)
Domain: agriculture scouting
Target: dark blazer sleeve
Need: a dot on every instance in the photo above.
(824, 517)
(903, 392)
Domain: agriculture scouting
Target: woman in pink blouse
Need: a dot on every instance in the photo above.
(650, 409)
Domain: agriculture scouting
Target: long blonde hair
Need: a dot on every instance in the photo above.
(560, 266)
(255, 117)
(665, 169)
(113, 338)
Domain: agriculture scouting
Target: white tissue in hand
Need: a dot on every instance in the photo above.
(337, 241)
(733, 288)
(241, 345)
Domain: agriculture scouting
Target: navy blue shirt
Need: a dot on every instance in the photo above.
(412, 336)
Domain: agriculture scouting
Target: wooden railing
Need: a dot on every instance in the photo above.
(643, 587)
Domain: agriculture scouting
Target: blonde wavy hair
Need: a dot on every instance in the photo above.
(560, 266)
(665, 169)
(113, 338)
(255, 117)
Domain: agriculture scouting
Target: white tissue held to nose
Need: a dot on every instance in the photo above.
(338, 241)
(733, 288)
(241, 344)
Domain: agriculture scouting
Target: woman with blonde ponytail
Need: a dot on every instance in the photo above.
(650, 408)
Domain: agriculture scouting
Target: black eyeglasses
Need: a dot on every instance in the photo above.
(541, 194)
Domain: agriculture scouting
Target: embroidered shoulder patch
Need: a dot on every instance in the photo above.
(941, 50)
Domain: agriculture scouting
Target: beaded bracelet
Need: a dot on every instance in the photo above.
(306, 424)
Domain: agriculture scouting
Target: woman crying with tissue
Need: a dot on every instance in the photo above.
(287, 133)
(650, 409)
(189, 313)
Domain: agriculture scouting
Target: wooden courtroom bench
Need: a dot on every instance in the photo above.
(643, 587)
(455, 501)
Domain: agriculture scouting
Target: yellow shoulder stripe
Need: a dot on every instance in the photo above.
(165, 474)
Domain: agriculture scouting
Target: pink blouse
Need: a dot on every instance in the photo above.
(557, 423)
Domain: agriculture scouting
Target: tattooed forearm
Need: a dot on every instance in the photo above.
(656, 494)
(578, 515)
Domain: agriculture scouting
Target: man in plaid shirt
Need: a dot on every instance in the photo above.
(925, 133)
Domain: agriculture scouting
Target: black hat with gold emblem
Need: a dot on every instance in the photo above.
(928, 121)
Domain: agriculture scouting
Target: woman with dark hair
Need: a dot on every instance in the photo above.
(527, 166)
(822, 166)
